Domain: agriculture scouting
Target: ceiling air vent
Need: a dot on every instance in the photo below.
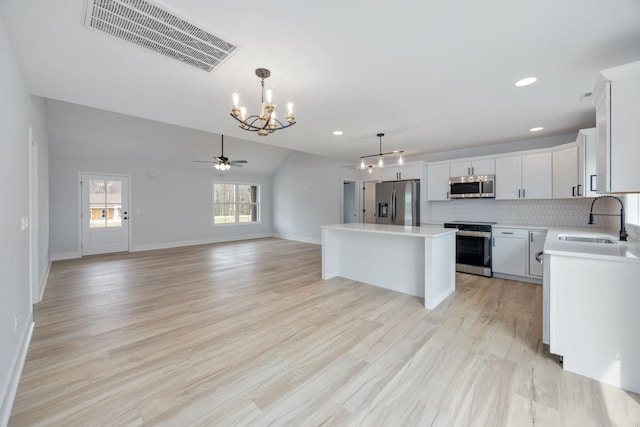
(155, 27)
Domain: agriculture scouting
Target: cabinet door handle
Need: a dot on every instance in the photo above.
(531, 237)
(523, 196)
(507, 232)
(591, 186)
(573, 191)
(519, 191)
(494, 241)
(579, 185)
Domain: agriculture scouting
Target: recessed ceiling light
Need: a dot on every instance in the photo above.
(525, 82)
(337, 132)
(536, 129)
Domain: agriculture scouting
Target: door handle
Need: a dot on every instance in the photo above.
(391, 207)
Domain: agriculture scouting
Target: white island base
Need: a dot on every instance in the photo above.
(418, 261)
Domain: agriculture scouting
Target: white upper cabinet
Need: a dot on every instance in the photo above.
(438, 181)
(400, 172)
(536, 176)
(509, 177)
(524, 177)
(566, 181)
(587, 165)
(617, 100)
(473, 167)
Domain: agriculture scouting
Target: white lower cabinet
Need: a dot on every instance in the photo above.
(536, 245)
(514, 252)
(509, 252)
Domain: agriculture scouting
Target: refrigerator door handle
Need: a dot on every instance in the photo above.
(393, 206)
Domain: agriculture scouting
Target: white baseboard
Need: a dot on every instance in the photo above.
(298, 238)
(15, 373)
(179, 244)
(518, 278)
(43, 282)
(65, 255)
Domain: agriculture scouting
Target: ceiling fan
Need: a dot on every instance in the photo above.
(221, 162)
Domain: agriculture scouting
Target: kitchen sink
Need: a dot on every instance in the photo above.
(586, 239)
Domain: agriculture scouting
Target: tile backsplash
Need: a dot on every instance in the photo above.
(552, 212)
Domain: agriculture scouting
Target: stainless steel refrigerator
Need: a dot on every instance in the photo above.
(398, 202)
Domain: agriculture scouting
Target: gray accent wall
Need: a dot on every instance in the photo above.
(18, 112)
(307, 193)
(171, 196)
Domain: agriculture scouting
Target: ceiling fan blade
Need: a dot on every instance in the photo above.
(239, 161)
(204, 161)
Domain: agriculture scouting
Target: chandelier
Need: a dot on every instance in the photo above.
(380, 156)
(265, 122)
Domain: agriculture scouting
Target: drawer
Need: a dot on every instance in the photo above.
(510, 232)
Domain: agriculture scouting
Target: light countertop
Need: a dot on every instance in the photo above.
(393, 229)
(619, 251)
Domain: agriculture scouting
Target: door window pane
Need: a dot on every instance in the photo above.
(114, 204)
(105, 203)
(97, 205)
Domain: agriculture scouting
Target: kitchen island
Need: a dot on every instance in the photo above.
(418, 261)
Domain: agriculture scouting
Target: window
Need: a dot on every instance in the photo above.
(633, 208)
(235, 203)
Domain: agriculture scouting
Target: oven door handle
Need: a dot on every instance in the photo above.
(483, 234)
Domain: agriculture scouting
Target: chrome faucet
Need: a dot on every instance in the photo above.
(623, 230)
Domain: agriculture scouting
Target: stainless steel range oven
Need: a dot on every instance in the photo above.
(473, 247)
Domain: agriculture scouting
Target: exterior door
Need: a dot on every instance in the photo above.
(105, 213)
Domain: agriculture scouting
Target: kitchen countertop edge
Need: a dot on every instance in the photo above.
(399, 230)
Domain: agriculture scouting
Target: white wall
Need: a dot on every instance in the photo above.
(307, 193)
(171, 197)
(18, 111)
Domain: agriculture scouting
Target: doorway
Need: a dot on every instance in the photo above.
(369, 202)
(104, 213)
(350, 203)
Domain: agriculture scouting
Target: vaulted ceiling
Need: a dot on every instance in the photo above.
(433, 75)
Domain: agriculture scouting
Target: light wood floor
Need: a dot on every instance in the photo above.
(247, 333)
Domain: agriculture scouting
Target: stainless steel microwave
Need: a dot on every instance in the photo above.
(462, 187)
